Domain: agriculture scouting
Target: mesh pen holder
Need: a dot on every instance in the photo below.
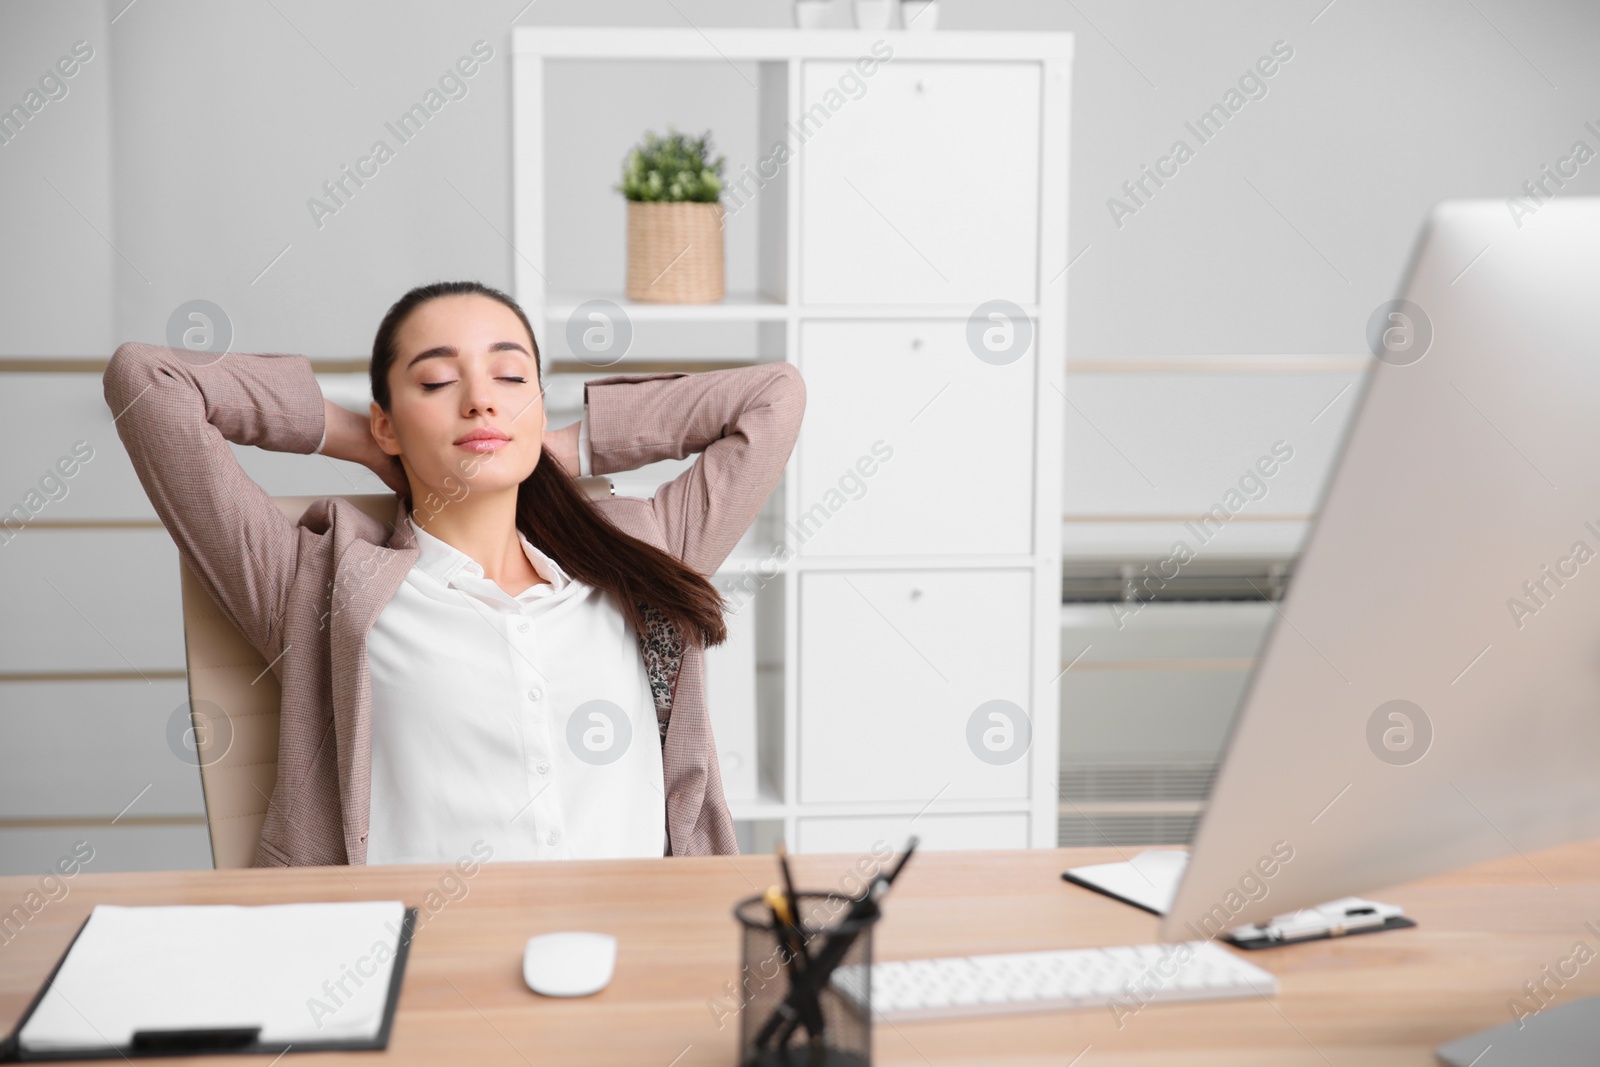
(844, 1002)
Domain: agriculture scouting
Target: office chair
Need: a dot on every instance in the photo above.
(225, 671)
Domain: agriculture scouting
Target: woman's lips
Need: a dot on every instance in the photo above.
(484, 444)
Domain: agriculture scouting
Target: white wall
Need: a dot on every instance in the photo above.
(56, 225)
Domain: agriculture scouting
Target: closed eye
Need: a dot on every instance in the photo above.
(431, 386)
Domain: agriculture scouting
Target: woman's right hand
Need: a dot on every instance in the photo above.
(349, 437)
(389, 468)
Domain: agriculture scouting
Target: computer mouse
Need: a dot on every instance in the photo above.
(571, 963)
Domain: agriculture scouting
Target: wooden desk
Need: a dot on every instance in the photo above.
(1372, 1000)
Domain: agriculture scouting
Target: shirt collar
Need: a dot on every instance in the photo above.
(443, 561)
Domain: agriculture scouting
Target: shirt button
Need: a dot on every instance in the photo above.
(522, 627)
(533, 694)
(542, 766)
(555, 835)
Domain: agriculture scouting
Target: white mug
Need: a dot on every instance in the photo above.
(878, 14)
(813, 14)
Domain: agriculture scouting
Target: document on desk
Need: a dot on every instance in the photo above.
(1148, 881)
(311, 973)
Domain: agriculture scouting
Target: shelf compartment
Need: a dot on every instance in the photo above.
(737, 307)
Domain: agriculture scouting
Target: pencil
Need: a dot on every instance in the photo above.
(802, 1009)
(788, 887)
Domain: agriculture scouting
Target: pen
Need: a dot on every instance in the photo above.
(197, 1039)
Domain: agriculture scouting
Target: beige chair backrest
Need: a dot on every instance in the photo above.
(233, 701)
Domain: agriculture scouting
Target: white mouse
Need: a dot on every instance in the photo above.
(572, 963)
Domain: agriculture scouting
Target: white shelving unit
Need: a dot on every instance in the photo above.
(905, 608)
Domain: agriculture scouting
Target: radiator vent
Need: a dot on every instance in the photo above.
(1098, 831)
(1147, 580)
(1113, 783)
(1133, 803)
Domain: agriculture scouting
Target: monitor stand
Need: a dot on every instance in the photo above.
(1563, 1036)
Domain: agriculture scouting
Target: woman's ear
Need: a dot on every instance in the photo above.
(383, 430)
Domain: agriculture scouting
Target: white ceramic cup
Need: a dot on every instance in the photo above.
(878, 14)
(812, 14)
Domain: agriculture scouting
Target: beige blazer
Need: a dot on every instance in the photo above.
(305, 594)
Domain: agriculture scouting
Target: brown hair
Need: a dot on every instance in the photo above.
(560, 519)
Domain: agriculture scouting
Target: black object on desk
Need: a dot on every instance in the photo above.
(1563, 1035)
(212, 1040)
(829, 987)
(1395, 922)
(839, 1030)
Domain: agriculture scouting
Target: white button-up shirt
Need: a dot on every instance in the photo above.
(526, 721)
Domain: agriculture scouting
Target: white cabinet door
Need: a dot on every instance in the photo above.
(914, 685)
(873, 833)
(912, 444)
(922, 189)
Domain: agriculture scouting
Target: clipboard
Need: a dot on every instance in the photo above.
(209, 1042)
(1147, 882)
(1068, 876)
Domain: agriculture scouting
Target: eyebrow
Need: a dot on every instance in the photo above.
(451, 351)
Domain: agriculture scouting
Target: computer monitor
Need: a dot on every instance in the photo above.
(1429, 693)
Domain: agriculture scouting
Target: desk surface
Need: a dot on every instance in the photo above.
(1371, 1000)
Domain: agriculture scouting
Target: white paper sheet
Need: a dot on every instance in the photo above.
(1149, 880)
(301, 972)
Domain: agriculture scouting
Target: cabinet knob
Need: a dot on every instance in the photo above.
(919, 85)
(915, 593)
(916, 344)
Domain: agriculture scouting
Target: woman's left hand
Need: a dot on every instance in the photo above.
(563, 445)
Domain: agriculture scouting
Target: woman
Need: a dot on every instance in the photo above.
(487, 670)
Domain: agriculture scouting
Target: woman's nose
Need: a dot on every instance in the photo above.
(479, 396)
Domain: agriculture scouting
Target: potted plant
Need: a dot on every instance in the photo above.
(675, 218)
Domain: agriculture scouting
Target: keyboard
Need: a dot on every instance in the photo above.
(1122, 979)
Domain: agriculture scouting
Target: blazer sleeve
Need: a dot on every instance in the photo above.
(176, 417)
(743, 422)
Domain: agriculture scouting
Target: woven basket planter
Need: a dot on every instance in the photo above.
(675, 252)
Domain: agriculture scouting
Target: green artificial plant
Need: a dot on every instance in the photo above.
(672, 168)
